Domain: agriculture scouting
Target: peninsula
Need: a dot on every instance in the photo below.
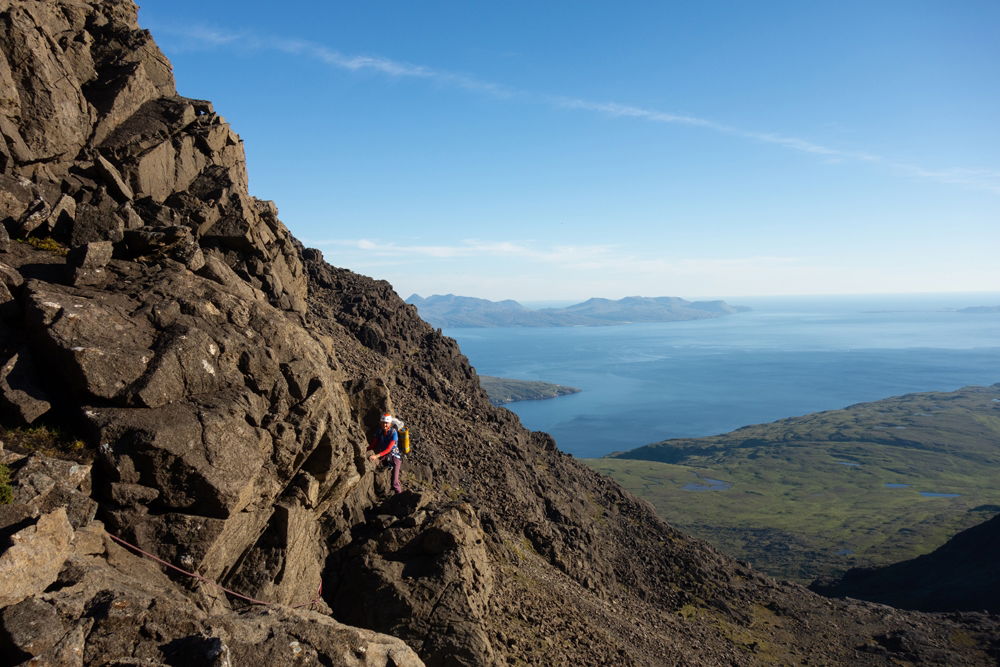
(980, 309)
(506, 390)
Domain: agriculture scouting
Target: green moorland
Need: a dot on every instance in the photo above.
(815, 495)
(505, 390)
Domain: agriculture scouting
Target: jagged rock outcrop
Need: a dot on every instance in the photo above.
(428, 566)
(87, 600)
(220, 380)
(97, 143)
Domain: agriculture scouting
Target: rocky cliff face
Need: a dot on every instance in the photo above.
(98, 146)
(212, 383)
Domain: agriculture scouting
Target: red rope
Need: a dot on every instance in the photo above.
(195, 575)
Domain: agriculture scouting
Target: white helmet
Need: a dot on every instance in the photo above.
(386, 418)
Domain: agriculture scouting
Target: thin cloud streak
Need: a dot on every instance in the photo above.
(979, 179)
(597, 257)
(468, 248)
(202, 37)
(625, 111)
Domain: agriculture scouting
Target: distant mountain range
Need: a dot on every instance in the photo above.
(449, 310)
(980, 309)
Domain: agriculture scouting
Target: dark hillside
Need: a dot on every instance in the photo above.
(962, 575)
(179, 373)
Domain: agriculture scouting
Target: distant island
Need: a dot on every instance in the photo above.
(449, 310)
(505, 390)
(980, 309)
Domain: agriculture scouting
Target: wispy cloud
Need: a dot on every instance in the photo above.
(199, 37)
(349, 62)
(580, 257)
(529, 269)
(980, 179)
(625, 111)
(470, 248)
(203, 37)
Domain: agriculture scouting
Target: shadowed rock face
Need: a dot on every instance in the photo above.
(224, 380)
(961, 575)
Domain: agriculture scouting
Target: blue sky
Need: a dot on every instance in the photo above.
(569, 149)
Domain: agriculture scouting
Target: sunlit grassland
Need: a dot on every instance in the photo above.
(808, 495)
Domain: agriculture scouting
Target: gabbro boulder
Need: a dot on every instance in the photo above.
(182, 399)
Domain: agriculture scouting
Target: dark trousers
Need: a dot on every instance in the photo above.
(396, 465)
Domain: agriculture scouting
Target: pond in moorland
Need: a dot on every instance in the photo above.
(926, 494)
(711, 485)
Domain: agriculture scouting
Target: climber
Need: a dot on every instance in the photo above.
(386, 447)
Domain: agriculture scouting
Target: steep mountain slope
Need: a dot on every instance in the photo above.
(221, 380)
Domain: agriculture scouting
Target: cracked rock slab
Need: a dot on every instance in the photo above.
(35, 557)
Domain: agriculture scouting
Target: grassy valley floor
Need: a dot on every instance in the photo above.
(871, 484)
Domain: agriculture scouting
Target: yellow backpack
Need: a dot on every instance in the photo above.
(404, 435)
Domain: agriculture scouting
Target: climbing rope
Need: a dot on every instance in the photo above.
(195, 575)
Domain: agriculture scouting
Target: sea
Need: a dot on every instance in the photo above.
(789, 356)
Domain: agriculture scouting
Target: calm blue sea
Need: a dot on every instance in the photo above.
(790, 356)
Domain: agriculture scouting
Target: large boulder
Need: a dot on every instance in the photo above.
(35, 556)
(427, 563)
(21, 395)
(224, 430)
(81, 597)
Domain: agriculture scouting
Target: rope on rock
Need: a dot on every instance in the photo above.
(195, 575)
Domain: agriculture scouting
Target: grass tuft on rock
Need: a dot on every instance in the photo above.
(6, 492)
(48, 440)
(46, 243)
